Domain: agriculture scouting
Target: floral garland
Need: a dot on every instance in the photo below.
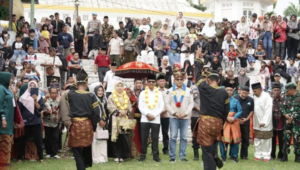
(147, 98)
(116, 100)
(178, 104)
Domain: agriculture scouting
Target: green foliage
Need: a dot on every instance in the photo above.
(197, 6)
(292, 9)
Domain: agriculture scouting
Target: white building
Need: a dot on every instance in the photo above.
(234, 9)
(117, 10)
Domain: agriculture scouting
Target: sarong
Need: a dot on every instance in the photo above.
(231, 131)
(81, 133)
(5, 149)
(208, 129)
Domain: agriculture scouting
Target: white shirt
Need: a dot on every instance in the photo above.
(263, 106)
(49, 60)
(115, 44)
(8, 43)
(31, 58)
(110, 80)
(225, 45)
(18, 45)
(145, 28)
(253, 34)
(242, 29)
(145, 110)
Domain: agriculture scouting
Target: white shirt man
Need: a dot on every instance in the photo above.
(110, 79)
(150, 108)
(262, 123)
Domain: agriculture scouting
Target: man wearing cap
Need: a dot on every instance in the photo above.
(57, 28)
(85, 113)
(211, 119)
(278, 121)
(107, 31)
(247, 105)
(151, 105)
(179, 102)
(262, 123)
(164, 116)
(277, 78)
(91, 26)
(110, 79)
(97, 43)
(231, 129)
(291, 111)
(254, 30)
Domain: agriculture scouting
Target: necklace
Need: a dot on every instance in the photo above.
(147, 98)
(116, 100)
(178, 104)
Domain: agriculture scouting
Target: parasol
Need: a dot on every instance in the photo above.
(135, 69)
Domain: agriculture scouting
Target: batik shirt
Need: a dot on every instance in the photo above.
(278, 119)
(52, 119)
(107, 31)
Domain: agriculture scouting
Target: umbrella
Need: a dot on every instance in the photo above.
(135, 69)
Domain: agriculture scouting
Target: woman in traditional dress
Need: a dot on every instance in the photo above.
(119, 108)
(7, 105)
(135, 134)
(100, 145)
(31, 107)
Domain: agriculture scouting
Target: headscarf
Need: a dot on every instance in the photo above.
(119, 95)
(43, 43)
(43, 20)
(209, 31)
(243, 23)
(292, 24)
(167, 31)
(102, 101)
(27, 100)
(12, 70)
(243, 79)
(5, 79)
(154, 30)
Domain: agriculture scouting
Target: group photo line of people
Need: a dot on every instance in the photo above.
(199, 78)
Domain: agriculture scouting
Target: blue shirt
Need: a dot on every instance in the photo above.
(64, 39)
(173, 45)
(236, 107)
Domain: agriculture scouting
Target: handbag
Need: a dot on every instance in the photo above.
(276, 35)
(50, 70)
(127, 124)
(262, 35)
(101, 134)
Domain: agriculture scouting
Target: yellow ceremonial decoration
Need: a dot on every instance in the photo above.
(182, 93)
(155, 99)
(116, 100)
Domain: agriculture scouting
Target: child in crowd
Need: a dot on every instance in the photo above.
(231, 55)
(259, 53)
(74, 65)
(45, 32)
(31, 56)
(264, 70)
(43, 45)
(215, 64)
(292, 70)
(192, 35)
(18, 49)
(270, 65)
(70, 56)
(250, 57)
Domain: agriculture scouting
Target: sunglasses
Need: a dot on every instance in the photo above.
(151, 81)
(179, 79)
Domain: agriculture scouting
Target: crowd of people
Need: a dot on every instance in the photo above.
(196, 62)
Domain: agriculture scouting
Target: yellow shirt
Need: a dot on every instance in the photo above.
(14, 27)
(46, 34)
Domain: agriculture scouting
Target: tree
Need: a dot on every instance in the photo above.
(198, 6)
(292, 9)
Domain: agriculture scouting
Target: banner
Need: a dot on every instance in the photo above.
(17, 9)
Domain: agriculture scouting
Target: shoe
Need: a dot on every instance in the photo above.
(284, 158)
(219, 163)
(121, 160)
(235, 160)
(196, 155)
(266, 160)
(116, 160)
(256, 159)
(48, 156)
(184, 160)
(157, 160)
(244, 158)
(166, 152)
(56, 156)
(172, 160)
(142, 160)
(223, 159)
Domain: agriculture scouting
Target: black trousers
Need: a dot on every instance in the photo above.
(34, 131)
(208, 154)
(280, 140)
(292, 46)
(165, 123)
(245, 131)
(54, 41)
(79, 47)
(83, 157)
(159, 54)
(8, 53)
(51, 140)
(145, 128)
(284, 75)
(193, 124)
(90, 43)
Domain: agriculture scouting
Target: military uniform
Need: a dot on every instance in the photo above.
(291, 105)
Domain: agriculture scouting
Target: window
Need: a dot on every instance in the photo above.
(247, 13)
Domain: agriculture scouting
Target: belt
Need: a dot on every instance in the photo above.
(78, 119)
(208, 117)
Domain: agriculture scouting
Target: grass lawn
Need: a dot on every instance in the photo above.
(69, 164)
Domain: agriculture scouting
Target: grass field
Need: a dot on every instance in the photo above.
(149, 164)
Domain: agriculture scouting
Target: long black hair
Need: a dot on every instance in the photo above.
(67, 21)
(177, 41)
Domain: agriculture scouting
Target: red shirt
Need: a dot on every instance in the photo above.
(69, 57)
(102, 61)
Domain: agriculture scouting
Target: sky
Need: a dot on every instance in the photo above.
(282, 5)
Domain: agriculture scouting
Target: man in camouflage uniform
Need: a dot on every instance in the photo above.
(291, 111)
